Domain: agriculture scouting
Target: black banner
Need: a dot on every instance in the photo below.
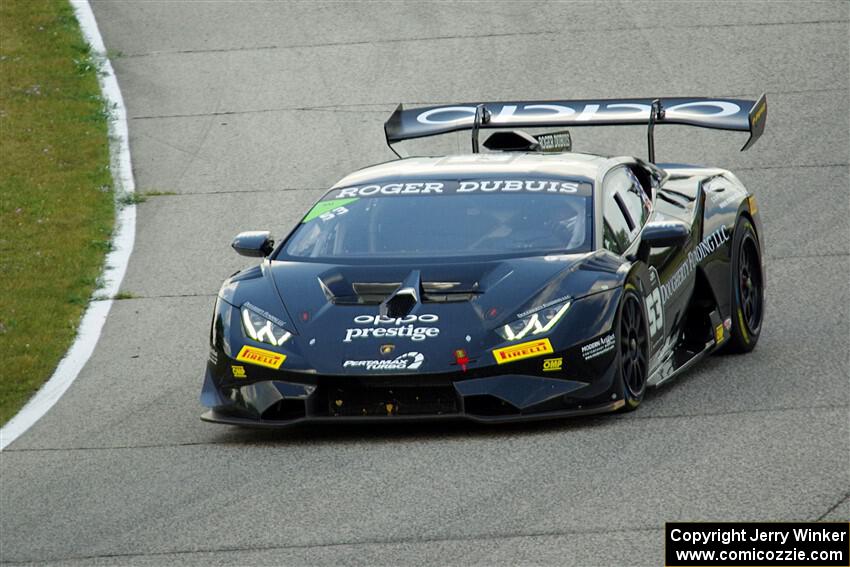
(763, 544)
(521, 184)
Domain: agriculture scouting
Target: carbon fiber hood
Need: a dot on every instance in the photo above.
(335, 308)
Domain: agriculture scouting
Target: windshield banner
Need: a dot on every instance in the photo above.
(471, 186)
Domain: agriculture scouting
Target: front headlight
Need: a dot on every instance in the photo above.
(535, 324)
(261, 329)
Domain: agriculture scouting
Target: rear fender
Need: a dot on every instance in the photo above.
(725, 200)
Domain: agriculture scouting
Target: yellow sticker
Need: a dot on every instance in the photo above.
(743, 326)
(553, 364)
(261, 357)
(238, 371)
(758, 113)
(522, 350)
(718, 333)
(751, 203)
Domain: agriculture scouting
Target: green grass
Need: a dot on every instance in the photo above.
(125, 295)
(131, 199)
(138, 198)
(56, 197)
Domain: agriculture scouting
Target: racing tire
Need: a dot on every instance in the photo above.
(632, 348)
(747, 289)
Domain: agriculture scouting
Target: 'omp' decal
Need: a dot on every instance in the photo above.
(261, 357)
(522, 350)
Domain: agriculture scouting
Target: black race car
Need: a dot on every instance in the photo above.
(527, 282)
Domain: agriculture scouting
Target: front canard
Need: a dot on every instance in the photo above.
(522, 350)
(261, 357)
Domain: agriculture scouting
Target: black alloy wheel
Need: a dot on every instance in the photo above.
(634, 348)
(750, 284)
(747, 289)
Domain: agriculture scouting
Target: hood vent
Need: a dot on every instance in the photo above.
(404, 298)
(373, 293)
(376, 293)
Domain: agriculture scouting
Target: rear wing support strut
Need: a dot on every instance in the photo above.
(482, 116)
(656, 112)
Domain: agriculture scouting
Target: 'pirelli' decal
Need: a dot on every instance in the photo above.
(522, 350)
(261, 357)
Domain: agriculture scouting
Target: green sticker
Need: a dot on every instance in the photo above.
(325, 206)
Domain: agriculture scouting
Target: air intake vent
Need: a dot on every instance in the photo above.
(403, 299)
(372, 293)
(399, 304)
(375, 293)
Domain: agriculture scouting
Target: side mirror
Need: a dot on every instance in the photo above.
(255, 243)
(661, 234)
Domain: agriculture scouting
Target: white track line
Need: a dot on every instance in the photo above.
(116, 261)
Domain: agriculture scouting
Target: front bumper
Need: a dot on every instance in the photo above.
(405, 397)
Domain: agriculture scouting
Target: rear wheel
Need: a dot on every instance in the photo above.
(633, 341)
(747, 288)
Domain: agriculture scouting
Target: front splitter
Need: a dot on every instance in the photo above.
(212, 416)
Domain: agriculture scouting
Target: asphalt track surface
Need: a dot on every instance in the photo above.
(247, 112)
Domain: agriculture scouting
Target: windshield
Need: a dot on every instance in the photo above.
(438, 219)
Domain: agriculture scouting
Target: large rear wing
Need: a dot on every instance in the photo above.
(719, 113)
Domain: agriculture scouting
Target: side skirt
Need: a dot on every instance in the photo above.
(683, 358)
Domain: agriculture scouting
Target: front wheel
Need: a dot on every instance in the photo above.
(747, 288)
(633, 341)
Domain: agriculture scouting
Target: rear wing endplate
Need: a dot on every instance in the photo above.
(718, 113)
